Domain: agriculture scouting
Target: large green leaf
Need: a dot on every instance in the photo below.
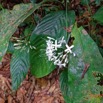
(82, 85)
(86, 50)
(54, 24)
(40, 66)
(99, 15)
(80, 91)
(19, 67)
(9, 21)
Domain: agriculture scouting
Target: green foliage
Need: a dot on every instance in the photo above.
(101, 51)
(85, 48)
(79, 79)
(33, 1)
(54, 24)
(19, 67)
(99, 15)
(98, 2)
(40, 66)
(10, 48)
(64, 83)
(10, 20)
(85, 2)
(81, 83)
(1, 7)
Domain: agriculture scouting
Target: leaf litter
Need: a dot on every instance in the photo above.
(32, 90)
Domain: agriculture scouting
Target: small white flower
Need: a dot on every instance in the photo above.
(60, 59)
(22, 45)
(33, 47)
(50, 38)
(68, 49)
(66, 60)
(56, 45)
(17, 44)
(28, 50)
(64, 56)
(56, 62)
(18, 47)
(74, 54)
(62, 41)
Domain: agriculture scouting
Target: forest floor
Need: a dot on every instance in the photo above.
(32, 90)
(43, 90)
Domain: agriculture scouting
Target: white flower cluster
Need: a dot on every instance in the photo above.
(23, 46)
(60, 59)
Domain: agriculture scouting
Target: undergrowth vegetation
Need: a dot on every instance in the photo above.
(57, 34)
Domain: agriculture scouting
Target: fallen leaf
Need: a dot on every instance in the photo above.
(2, 100)
(9, 99)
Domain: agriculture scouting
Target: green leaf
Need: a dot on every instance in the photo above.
(54, 24)
(10, 47)
(101, 51)
(33, 1)
(64, 84)
(99, 15)
(40, 66)
(85, 2)
(83, 88)
(9, 21)
(98, 2)
(86, 50)
(19, 67)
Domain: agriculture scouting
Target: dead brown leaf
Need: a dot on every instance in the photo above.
(9, 99)
(2, 100)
